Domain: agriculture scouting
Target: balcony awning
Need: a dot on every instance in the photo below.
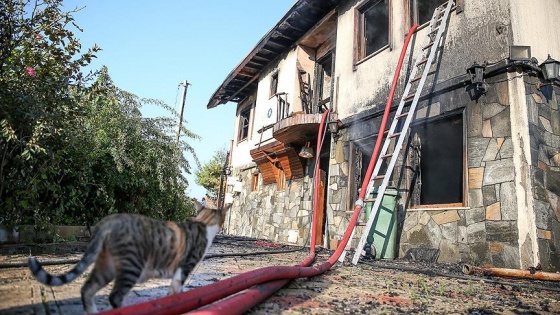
(275, 157)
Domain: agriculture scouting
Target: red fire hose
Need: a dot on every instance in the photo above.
(266, 281)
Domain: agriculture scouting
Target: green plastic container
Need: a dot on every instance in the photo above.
(383, 232)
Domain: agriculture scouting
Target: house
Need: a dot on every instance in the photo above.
(478, 179)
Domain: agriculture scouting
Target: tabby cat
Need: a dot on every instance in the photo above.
(130, 248)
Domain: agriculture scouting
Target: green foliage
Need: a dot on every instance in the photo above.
(208, 176)
(72, 153)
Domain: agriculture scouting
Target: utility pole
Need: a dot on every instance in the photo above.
(185, 85)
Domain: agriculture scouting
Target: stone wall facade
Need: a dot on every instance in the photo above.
(278, 215)
(485, 231)
(544, 131)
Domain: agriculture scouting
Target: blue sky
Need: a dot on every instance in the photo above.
(149, 47)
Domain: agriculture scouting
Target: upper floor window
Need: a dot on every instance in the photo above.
(274, 84)
(373, 27)
(421, 11)
(244, 122)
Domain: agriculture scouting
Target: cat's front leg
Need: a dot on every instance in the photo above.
(176, 282)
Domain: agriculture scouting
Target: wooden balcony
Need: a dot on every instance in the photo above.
(297, 129)
(272, 157)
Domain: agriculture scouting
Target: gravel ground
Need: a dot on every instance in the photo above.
(372, 287)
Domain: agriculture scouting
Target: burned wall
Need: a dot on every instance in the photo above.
(485, 229)
(543, 103)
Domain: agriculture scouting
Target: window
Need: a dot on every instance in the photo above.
(437, 162)
(421, 11)
(281, 180)
(274, 84)
(373, 27)
(244, 122)
(324, 82)
(255, 182)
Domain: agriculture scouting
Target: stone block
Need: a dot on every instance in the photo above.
(554, 200)
(493, 212)
(424, 218)
(492, 109)
(462, 235)
(555, 122)
(508, 201)
(477, 149)
(545, 234)
(498, 172)
(333, 244)
(496, 247)
(446, 217)
(552, 180)
(448, 252)
(474, 123)
(475, 215)
(475, 198)
(545, 124)
(502, 92)
(501, 124)
(476, 233)
(506, 149)
(542, 215)
(532, 109)
(489, 195)
(434, 233)
(487, 128)
(502, 231)
(449, 231)
(411, 220)
(339, 152)
(508, 257)
(491, 151)
(344, 168)
(537, 98)
(476, 175)
(418, 236)
(480, 254)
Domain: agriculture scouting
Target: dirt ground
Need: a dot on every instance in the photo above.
(372, 287)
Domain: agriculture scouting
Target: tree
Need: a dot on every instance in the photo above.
(208, 176)
(40, 62)
(72, 151)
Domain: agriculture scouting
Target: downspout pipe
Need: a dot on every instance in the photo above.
(278, 275)
(511, 273)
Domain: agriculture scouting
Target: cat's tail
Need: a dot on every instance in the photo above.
(89, 257)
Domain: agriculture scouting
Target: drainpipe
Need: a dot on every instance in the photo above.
(269, 279)
(511, 273)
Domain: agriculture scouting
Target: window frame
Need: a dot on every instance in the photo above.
(411, 16)
(255, 182)
(360, 53)
(244, 129)
(274, 83)
(281, 180)
(410, 164)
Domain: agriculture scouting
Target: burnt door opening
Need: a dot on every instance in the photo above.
(321, 224)
(437, 158)
(324, 82)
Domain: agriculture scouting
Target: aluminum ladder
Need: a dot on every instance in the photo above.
(427, 54)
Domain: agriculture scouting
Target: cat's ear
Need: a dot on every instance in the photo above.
(198, 206)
